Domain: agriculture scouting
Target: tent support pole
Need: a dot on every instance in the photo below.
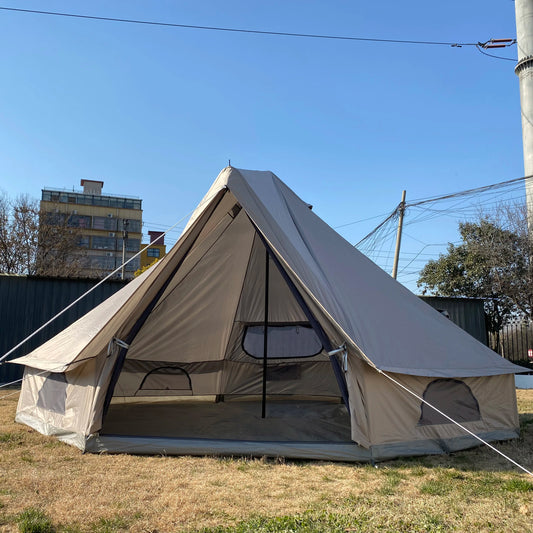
(265, 333)
(339, 375)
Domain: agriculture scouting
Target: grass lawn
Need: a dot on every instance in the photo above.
(47, 486)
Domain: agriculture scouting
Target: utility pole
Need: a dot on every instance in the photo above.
(125, 224)
(524, 71)
(401, 209)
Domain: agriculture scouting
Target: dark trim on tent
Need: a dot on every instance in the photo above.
(339, 374)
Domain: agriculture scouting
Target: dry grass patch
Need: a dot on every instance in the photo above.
(63, 490)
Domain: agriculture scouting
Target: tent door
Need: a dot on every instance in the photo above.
(121, 357)
(339, 374)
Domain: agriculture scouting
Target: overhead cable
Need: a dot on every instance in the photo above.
(467, 192)
(244, 30)
(427, 213)
(379, 226)
(479, 48)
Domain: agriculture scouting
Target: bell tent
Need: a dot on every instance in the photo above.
(264, 332)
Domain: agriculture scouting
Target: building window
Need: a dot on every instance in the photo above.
(134, 225)
(103, 262)
(54, 219)
(79, 221)
(83, 241)
(105, 223)
(153, 252)
(133, 265)
(133, 245)
(104, 243)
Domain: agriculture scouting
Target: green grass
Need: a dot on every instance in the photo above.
(322, 522)
(110, 525)
(11, 439)
(34, 520)
(435, 487)
(393, 478)
(304, 523)
(518, 485)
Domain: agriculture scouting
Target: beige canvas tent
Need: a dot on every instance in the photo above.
(175, 362)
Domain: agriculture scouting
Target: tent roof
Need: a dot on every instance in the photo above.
(384, 322)
(388, 324)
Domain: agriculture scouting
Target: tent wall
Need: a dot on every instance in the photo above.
(394, 414)
(63, 404)
(193, 319)
(357, 395)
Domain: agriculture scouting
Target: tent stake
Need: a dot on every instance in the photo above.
(265, 333)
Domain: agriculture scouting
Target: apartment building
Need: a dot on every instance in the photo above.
(109, 226)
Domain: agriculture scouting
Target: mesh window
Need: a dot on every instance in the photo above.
(283, 341)
(165, 380)
(452, 397)
(53, 393)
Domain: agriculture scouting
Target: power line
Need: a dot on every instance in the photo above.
(242, 30)
(466, 192)
(359, 221)
(495, 57)
(374, 242)
(163, 226)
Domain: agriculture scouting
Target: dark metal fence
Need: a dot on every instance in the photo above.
(515, 342)
(26, 303)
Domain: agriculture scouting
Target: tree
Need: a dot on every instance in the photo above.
(36, 243)
(18, 234)
(144, 268)
(493, 262)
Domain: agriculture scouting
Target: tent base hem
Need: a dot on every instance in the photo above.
(69, 437)
(326, 451)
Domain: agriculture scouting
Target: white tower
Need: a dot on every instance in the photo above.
(524, 70)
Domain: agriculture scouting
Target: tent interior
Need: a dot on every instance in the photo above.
(196, 368)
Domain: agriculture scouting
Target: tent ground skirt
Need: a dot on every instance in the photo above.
(326, 451)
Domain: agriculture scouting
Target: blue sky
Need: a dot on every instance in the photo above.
(157, 112)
